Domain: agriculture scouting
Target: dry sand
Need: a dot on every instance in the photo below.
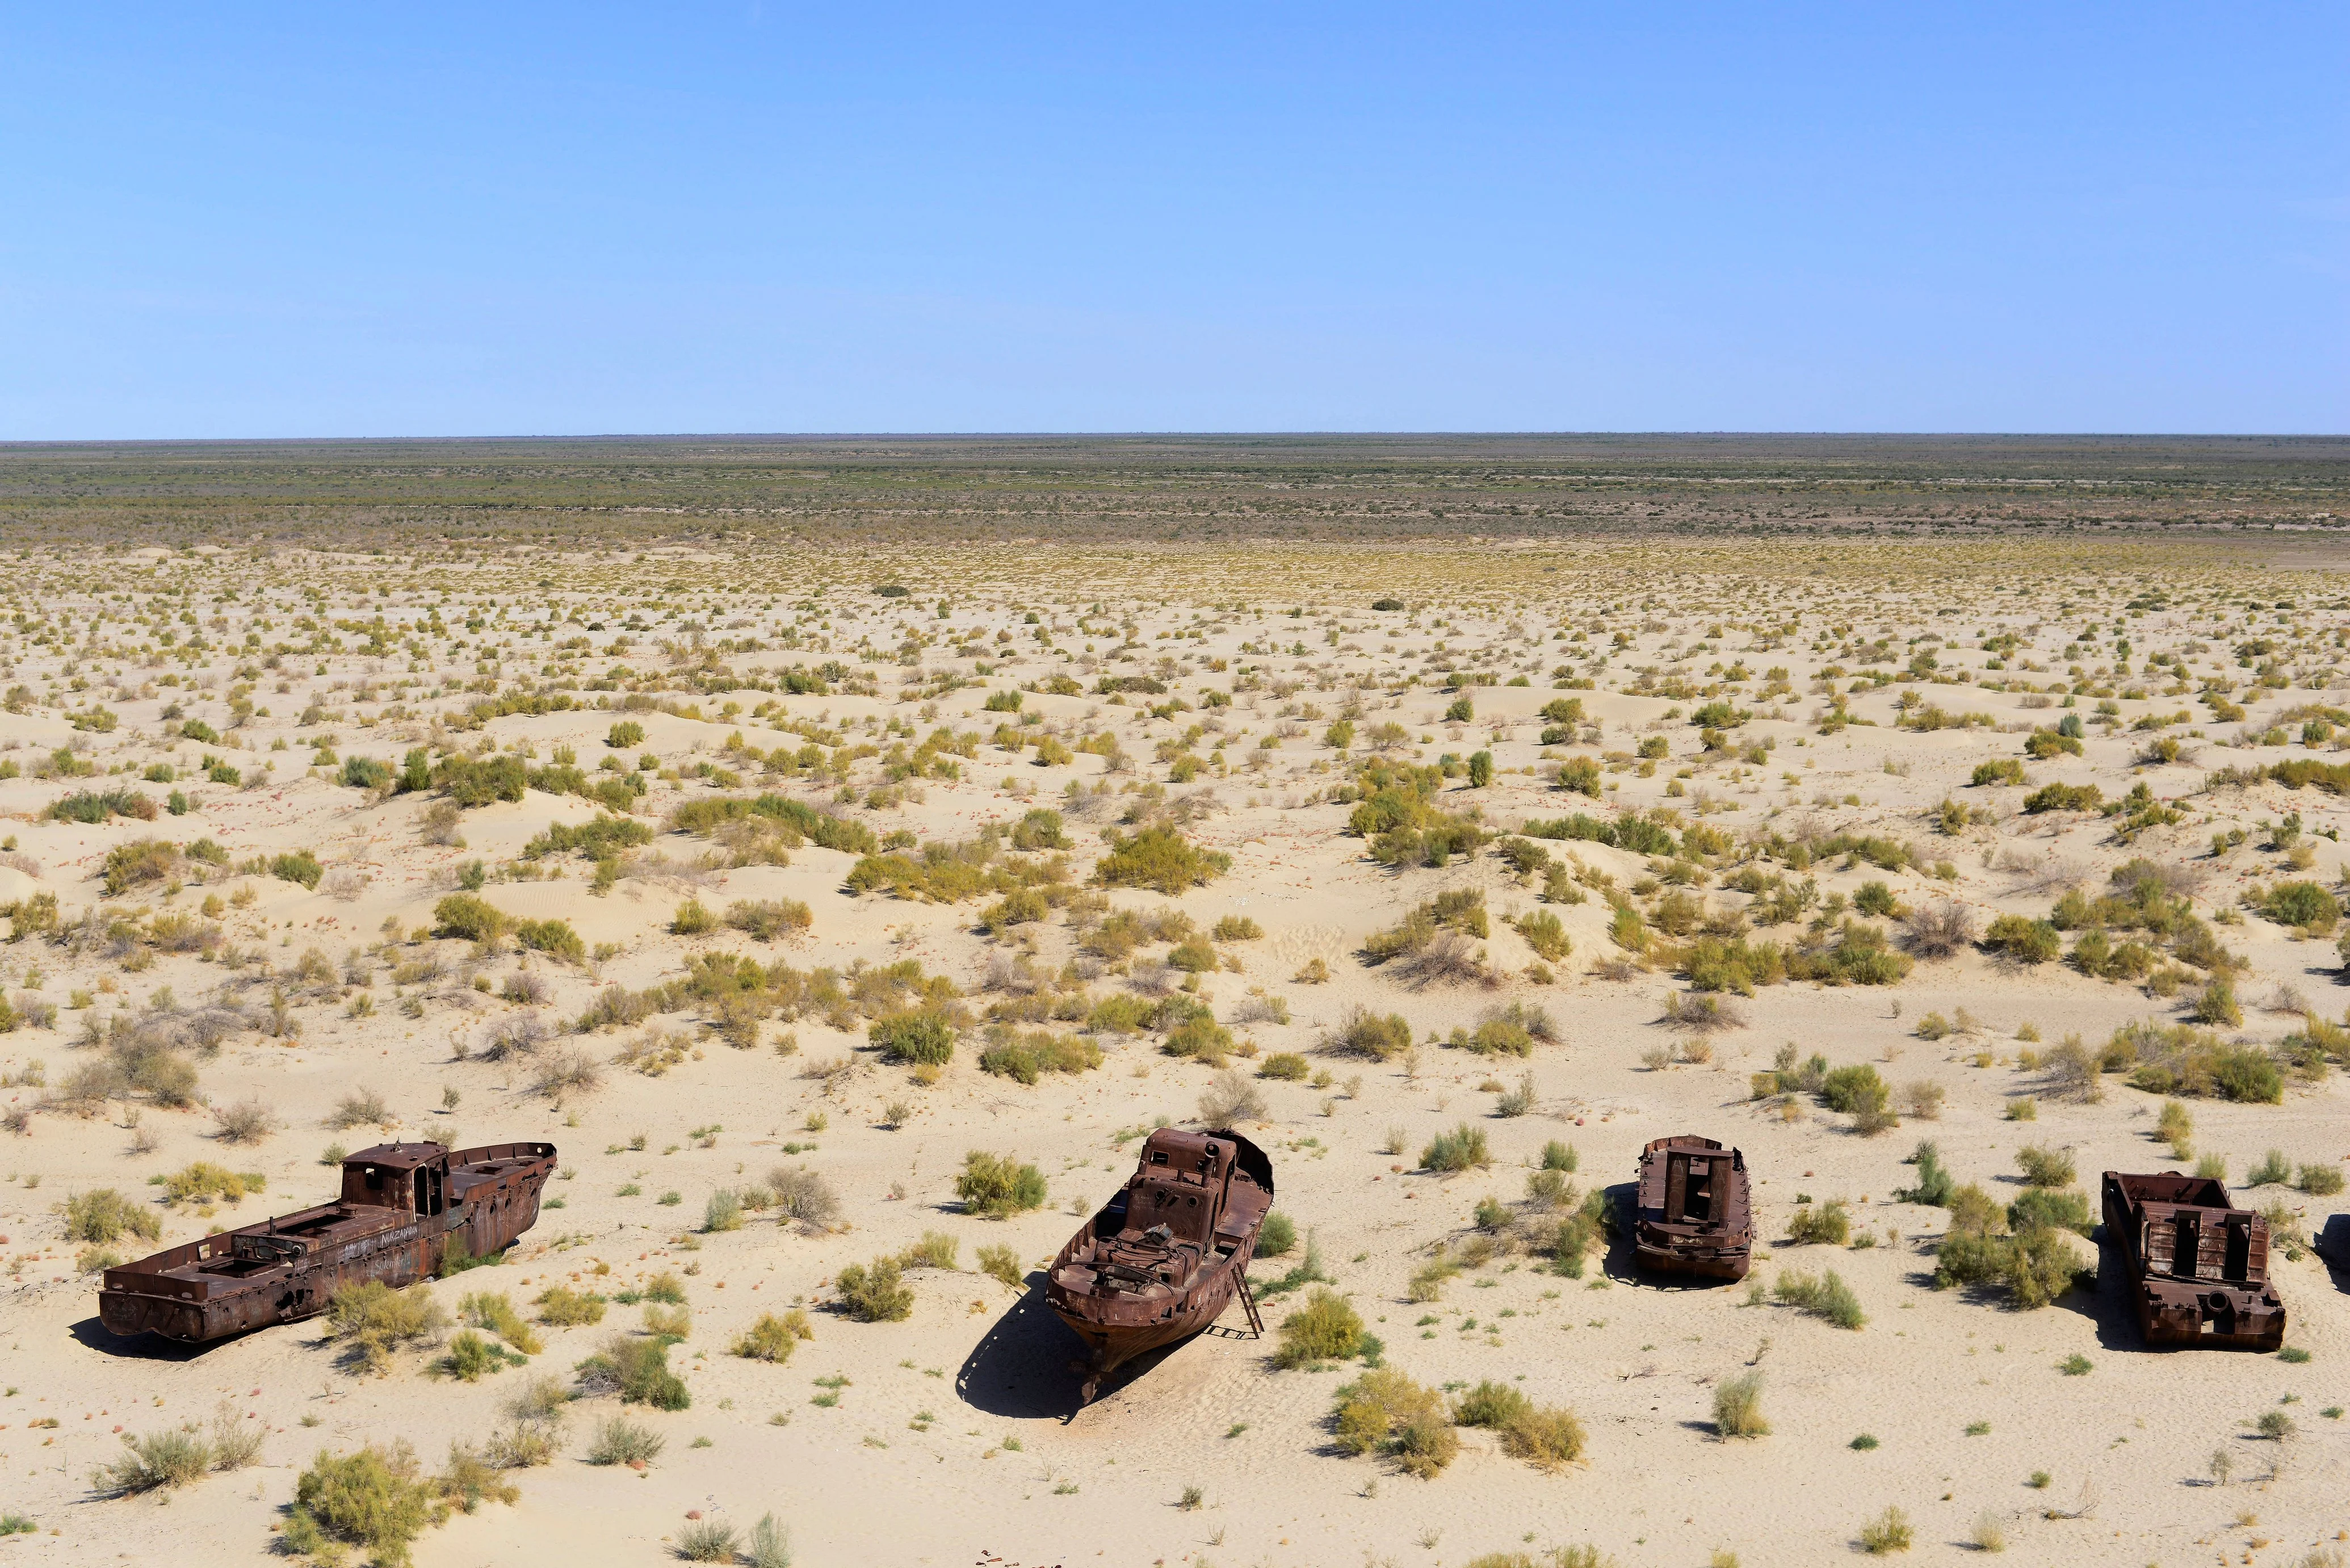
(956, 1438)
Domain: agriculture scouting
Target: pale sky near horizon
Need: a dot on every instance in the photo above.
(255, 221)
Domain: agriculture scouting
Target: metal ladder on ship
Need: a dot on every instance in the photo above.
(1248, 1304)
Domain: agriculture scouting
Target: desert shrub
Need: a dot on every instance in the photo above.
(566, 1308)
(202, 1181)
(1158, 857)
(375, 1499)
(1856, 1090)
(1935, 1183)
(1828, 1224)
(804, 1195)
(1276, 1236)
(1737, 1406)
(708, 1540)
(1230, 1098)
(2042, 1208)
(1364, 1034)
(2023, 938)
(141, 861)
(299, 866)
(1287, 1067)
(104, 1215)
(2273, 1170)
(2305, 906)
(918, 1037)
(875, 1292)
(1236, 929)
(1546, 935)
(998, 1185)
(1325, 1329)
(1888, 1531)
(2320, 1181)
(1383, 1411)
(1999, 770)
(463, 915)
(1027, 1057)
(772, 1337)
(248, 1121)
(1459, 1150)
(478, 780)
(624, 1441)
(155, 1462)
(372, 1320)
(638, 1371)
(95, 806)
(1500, 1037)
(2046, 1166)
(692, 919)
(722, 1211)
(626, 733)
(1824, 1296)
(2179, 1059)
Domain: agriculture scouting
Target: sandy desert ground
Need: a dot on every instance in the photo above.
(1686, 805)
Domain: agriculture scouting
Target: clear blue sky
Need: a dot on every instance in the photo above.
(249, 221)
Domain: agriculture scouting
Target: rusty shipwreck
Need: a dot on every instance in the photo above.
(1695, 1214)
(1168, 1254)
(405, 1207)
(2199, 1265)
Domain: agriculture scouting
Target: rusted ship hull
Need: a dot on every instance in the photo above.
(1695, 1216)
(404, 1208)
(2198, 1265)
(1164, 1258)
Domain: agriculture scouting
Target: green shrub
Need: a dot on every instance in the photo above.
(2000, 770)
(1158, 857)
(1325, 1329)
(141, 861)
(1459, 1150)
(372, 1320)
(1386, 1412)
(567, 1308)
(2044, 1167)
(1824, 1296)
(1935, 1183)
(998, 1185)
(1287, 1067)
(638, 1371)
(375, 1499)
(623, 1441)
(692, 919)
(919, 1037)
(1737, 1406)
(2042, 1208)
(156, 1462)
(1852, 1089)
(2305, 905)
(1276, 1236)
(104, 1215)
(1364, 1034)
(2023, 938)
(875, 1293)
(1888, 1531)
(626, 733)
(1002, 1263)
(463, 915)
(1828, 1224)
(1027, 1057)
(772, 1337)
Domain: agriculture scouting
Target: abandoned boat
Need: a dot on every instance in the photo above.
(2199, 1265)
(1166, 1255)
(404, 1209)
(1695, 1216)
